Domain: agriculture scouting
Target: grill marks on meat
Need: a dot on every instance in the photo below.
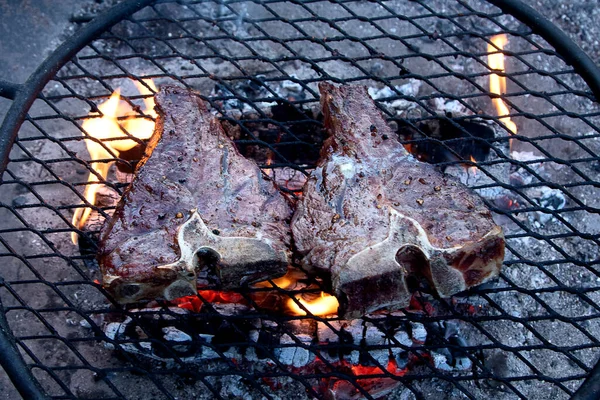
(372, 216)
(195, 203)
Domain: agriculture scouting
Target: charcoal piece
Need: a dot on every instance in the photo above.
(441, 140)
(403, 340)
(371, 215)
(180, 341)
(418, 333)
(195, 204)
(303, 134)
(293, 354)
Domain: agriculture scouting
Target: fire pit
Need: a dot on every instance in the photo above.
(494, 96)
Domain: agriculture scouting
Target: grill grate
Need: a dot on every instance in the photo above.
(534, 333)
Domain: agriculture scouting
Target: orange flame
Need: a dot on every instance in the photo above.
(325, 304)
(283, 283)
(473, 169)
(112, 138)
(498, 83)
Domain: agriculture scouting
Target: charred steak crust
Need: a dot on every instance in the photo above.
(372, 216)
(193, 175)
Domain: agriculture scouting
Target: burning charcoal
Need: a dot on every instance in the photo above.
(207, 351)
(390, 97)
(437, 140)
(506, 202)
(463, 363)
(230, 309)
(372, 335)
(301, 326)
(449, 107)
(440, 361)
(300, 127)
(451, 329)
(551, 199)
(174, 335)
(339, 336)
(402, 359)
(418, 333)
(403, 338)
(375, 357)
(114, 331)
(291, 86)
(331, 331)
(232, 353)
(268, 338)
(250, 353)
(294, 355)
(251, 89)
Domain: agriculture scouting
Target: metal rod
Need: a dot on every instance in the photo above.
(9, 90)
(14, 365)
(565, 47)
(590, 388)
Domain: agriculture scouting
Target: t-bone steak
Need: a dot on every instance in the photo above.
(194, 205)
(372, 217)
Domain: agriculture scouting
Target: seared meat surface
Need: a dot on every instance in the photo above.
(194, 205)
(372, 217)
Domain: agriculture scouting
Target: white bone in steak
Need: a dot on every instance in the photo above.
(194, 201)
(371, 215)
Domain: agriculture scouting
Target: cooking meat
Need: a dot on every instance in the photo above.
(374, 219)
(195, 205)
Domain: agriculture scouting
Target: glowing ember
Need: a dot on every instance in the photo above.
(498, 83)
(392, 368)
(325, 304)
(112, 138)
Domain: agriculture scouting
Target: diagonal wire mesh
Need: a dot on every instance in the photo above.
(532, 334)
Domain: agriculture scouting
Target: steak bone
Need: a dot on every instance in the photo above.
(235, 259)
(377, 276)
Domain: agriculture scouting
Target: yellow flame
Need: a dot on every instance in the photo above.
(326, 304)
(283, 283)
(142, 128)
(111, 140)
(473, 168)
(498, 83)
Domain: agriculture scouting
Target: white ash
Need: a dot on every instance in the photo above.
(298, 356)
(296, 343)
(418, 332)
(409, 89)
(454, 107)
(265, 90)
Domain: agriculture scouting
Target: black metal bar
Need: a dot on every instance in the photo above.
(24, 98)
(564, 46)
(9, 90)
(590, 389)
(14, 365)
